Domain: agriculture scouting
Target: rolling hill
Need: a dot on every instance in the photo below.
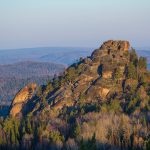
(15, 76)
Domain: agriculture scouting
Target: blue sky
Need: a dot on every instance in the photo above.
(79, 23)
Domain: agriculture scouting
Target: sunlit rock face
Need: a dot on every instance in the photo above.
(116, 45)
(21, 99)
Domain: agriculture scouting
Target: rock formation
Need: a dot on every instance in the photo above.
(90, 80)
(103, 98)
(95, 79)
(21, 99)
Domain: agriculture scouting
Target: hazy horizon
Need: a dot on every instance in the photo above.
(80, 23)
(147, 48)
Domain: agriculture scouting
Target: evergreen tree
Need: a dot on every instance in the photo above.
(92, 143)
(40, 91)
(55, 83)
(44, 102)
(12, 136)
(28, 126)
(131, 71)
(115, 106)
(1, 138)
(117, 74)
(133, 57)
(82, 145)
(77, 129)
(49, 88)
(142, 63)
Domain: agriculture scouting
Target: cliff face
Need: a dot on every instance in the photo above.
(21, 98)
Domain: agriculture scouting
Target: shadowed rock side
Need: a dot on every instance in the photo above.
(21, 99)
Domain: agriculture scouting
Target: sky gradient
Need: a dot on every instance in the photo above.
(75, 23)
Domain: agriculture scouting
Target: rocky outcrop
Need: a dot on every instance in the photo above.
(96, 79)
(116, 45)
(113, 49)
(92, 79)
(21, 98)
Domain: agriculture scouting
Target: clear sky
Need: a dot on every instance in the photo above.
(85, 23)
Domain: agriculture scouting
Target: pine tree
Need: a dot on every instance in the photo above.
(1, 138)
(131, 71)
(44, 102)
(12, 136)
(28, 126)
(77, 130)
(92, 143)
(49, 88)
(40, 91)
(55, 83)
(117, 74)
(82, 145)
(133, 57)
(142, 63)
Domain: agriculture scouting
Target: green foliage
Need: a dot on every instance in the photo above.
(92, 143)
(89, 145)
(131, 72)
(94, 107)
(44, 102)
(81, 99)
(132, 104)
(1, 139)
(117, 74)
(113, 106)
(12, 136)
(76, 130)
(104, 108)
(40, 91)
(55, 136)
(11, 128)
(147, 144)
(49, 88)
(133, 57)
(71, 74)
(28, 126)
(142, 63)
(56, 83)
(82, 145)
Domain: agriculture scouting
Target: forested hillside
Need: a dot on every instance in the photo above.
(99, 102)
(15, 76)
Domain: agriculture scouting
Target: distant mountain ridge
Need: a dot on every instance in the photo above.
(62, 55)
